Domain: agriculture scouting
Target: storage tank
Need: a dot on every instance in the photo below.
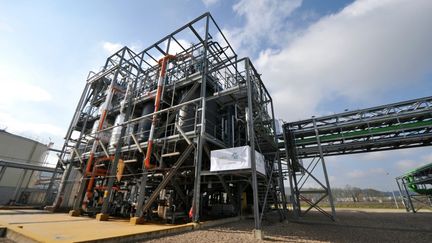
(145, 124)
(186, 114)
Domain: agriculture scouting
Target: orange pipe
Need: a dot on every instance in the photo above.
(95, 144)
(163, 66)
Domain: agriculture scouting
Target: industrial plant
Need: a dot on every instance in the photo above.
(173, 133)
(184, 132)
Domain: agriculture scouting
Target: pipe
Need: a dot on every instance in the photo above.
(163, 66)
(89, 170)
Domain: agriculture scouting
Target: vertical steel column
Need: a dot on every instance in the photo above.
(202, 137)
(251, 132)
(28, 181)
(2, 171)
(402, 194)
(141, 193)
(66, 173)
(83, 185)
(23, 176)
(410, 203)
(113, 168)
(291, 177)
(281, 180)
(282, 187)
(140, 202)
(328, 189)
(19, 185)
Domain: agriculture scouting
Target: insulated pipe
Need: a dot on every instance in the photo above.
(163, 66)
(89, 170)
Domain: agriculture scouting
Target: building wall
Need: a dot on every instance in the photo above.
(15, 148)
(21, 149)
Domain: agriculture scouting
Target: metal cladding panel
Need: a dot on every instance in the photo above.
(237, 158)
(21, 149)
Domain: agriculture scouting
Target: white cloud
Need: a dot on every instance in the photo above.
(13, 90)
(15, 125)
(265, 21)
(176, 48)
(366, 50)
(111, 47)
(209, 2)
(406, 165)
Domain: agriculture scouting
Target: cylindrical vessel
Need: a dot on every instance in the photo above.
(104, 137)
(186, 114)
(145, 124)
(115, 135)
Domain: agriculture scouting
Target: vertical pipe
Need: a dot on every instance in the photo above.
(89, 167)
(329, 192)
(80, 194)
(114, 164)
(163, 66)
(251, 133)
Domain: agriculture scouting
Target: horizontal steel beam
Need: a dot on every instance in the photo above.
(25, 166)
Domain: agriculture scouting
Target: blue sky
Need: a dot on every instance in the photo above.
(316, 57)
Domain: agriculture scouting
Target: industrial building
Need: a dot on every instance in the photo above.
(172, 134)
(23, 174)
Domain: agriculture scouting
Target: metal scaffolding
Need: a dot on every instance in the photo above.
(399, 125)
(144, 128)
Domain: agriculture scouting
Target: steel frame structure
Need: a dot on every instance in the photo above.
(399, 125)
(416, 186)
(20, 187)
(170, 106)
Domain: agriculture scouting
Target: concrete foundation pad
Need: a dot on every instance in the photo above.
(258, 234)
(40, 226)
(136, 220)
(75, 213)
(59, 227)
(102, 217)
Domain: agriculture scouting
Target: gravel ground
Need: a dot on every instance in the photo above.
(350, 226)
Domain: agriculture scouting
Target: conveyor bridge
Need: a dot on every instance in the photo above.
(399, 125)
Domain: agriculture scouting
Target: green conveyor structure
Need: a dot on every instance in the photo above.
(399, 125)
(405, 124)
(374, 131)
(419, 180)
